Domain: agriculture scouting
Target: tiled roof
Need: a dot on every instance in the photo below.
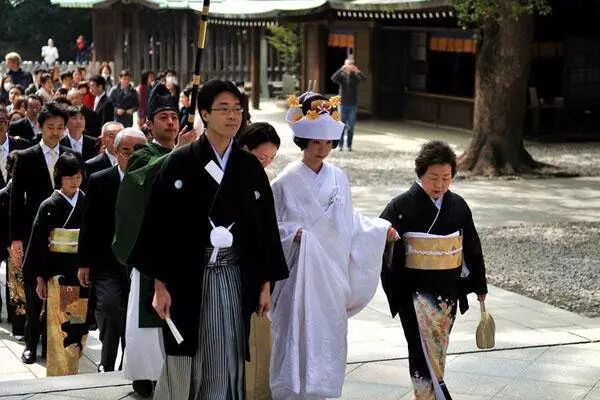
(270, 9)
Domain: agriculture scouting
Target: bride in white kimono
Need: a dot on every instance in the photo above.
(333, 253)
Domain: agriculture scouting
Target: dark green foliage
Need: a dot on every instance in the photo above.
(481, 12)
(26, 25)
(286, 40)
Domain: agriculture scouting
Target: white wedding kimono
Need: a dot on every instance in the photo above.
(334, 272)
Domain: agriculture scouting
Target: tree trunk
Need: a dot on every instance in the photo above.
(500, 100)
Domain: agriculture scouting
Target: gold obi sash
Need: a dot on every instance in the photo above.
(433, 252)
(63, 240)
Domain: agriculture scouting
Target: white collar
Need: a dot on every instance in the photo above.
(73, 140)
(113, 159)
(46, 148)
(437, 202)
(5, 145)
(121, 173)
(223, 160)
(72, 201)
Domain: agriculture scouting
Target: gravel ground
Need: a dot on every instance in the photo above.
(557, 264)
(366, 167)
(579, 158)
(381, 166)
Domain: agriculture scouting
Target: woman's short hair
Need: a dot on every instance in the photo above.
(432, 153)
(145, 75)
(68, 164)
(19, 88)
(105, 65)
(259, 133)
(66, 74)
(53, 109)
(45, 78)
(211, 89)
(303, 142)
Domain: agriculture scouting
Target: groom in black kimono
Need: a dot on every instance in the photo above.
(210, 183)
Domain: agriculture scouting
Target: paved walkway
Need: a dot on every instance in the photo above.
(542, 352)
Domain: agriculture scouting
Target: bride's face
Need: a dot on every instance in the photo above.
(318, 149)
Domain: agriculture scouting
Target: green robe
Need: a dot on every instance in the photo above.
(133, 197)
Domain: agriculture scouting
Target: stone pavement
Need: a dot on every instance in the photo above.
(541, 352)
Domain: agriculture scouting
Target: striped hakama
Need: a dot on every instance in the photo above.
(216, 372)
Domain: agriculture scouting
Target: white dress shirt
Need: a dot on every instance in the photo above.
(113, 159)
(51, 156)
(76, 145)
(4, 150)
(97, 100)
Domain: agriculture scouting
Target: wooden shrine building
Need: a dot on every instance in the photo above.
(420, 63)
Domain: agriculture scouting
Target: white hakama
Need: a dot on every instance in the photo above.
(144, 353)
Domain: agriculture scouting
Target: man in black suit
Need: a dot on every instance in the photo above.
(98, 264)
(32, 183)
(106, 158)
(83, 144)
(104, 109)
(28, 127)
(7, 144)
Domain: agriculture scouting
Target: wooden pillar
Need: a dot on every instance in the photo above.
(226, 58)
(264, 77)
(231, 48)
(153, 58)
(314, 56)
(95, 34)
(168, 42)
(210, 52)
(162, 56)
(240, 57)
(177, 46)
(184, 45)
(118, 38)
(255, 67)
(136, 46)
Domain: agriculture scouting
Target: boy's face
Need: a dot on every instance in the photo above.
(52, 131)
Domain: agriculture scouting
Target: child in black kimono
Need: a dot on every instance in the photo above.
(52, 255)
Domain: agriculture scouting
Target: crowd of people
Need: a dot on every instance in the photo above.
(103, 97)
(217, 277)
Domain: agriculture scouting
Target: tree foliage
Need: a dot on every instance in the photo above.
(286, 40)
(482, 12)
(26, 25)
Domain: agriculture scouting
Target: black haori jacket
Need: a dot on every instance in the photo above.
(175, 232)
(414, 211)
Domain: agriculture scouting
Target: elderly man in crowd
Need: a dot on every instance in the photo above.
(17, 75)
(98, 265)
(107, 157)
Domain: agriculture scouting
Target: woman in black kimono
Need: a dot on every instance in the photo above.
(52, 255)
(429, 273)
